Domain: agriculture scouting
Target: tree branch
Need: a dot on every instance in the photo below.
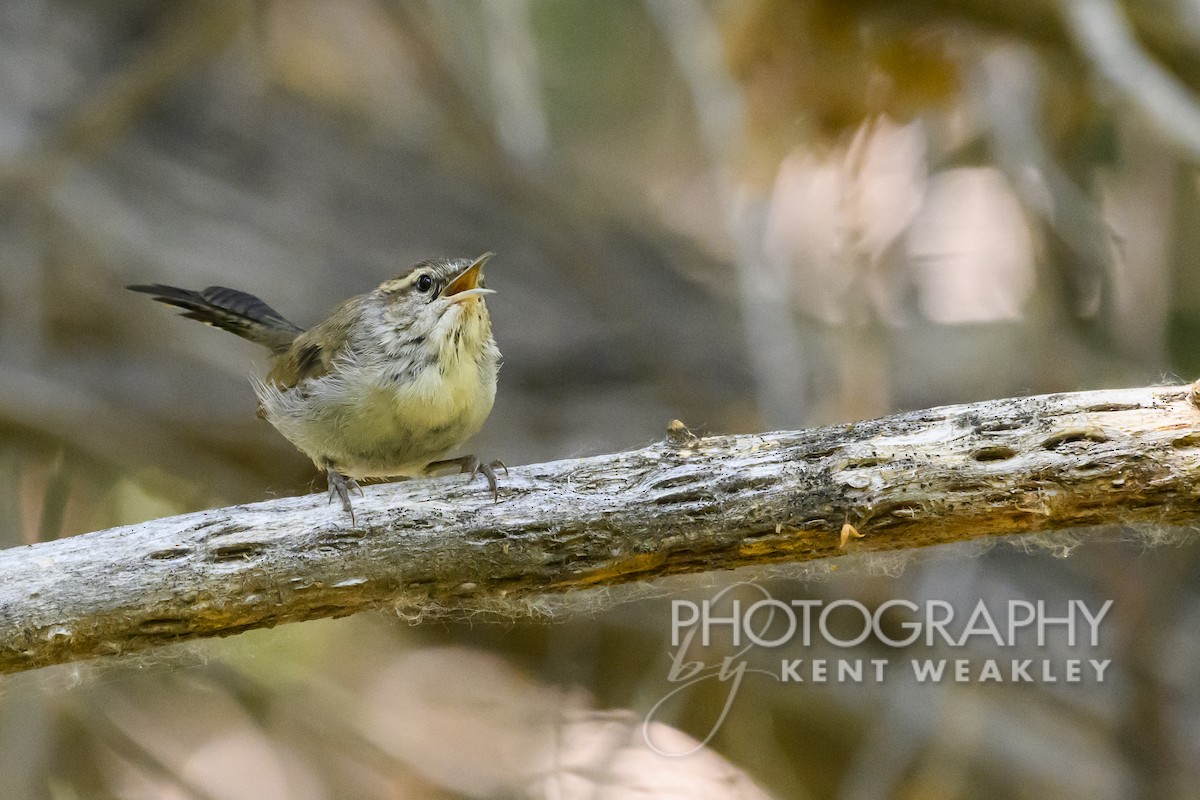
(684, 505)
(1103, 34)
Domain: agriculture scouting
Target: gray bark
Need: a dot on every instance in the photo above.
(684, 505)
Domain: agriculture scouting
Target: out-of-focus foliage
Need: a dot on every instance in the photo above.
(746, 215)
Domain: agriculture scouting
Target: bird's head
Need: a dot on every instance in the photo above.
(439, 301)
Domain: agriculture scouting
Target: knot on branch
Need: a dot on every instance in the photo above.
(678, 435)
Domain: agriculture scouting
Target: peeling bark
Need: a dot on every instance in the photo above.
(687, 504)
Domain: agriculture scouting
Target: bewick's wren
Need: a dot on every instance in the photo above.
(389, 383)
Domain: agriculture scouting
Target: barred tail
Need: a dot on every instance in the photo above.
(228, 309)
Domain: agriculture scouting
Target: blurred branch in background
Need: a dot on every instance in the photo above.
(772, 337)
(1102, 33)
(1009, 85)
(687, 505)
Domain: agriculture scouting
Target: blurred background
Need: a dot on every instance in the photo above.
(747, 215)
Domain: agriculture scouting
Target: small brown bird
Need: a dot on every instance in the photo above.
(388, 384)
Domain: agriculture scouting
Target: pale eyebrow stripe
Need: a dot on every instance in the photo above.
(396, 284)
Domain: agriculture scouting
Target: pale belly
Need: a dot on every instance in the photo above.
(371, 424)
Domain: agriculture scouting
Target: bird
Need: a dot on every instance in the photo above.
(388, 384)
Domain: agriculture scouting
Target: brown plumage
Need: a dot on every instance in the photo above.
(386, 385)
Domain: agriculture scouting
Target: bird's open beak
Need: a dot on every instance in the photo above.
(465, 285)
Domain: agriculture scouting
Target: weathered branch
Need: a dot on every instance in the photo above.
(684, 505)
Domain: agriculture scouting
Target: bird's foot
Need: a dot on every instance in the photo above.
(341, 486)
(473, 465)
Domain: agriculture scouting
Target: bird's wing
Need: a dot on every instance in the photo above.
(311, 353)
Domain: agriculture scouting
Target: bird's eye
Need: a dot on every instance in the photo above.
(424, 283)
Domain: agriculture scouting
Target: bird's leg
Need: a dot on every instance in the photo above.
(473, 465)
(341, 486)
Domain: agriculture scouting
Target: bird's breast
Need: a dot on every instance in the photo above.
(432, 395)
(389, 415)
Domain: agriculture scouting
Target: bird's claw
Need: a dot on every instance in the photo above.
(489, 473)
(341, 486)
(473, 465)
